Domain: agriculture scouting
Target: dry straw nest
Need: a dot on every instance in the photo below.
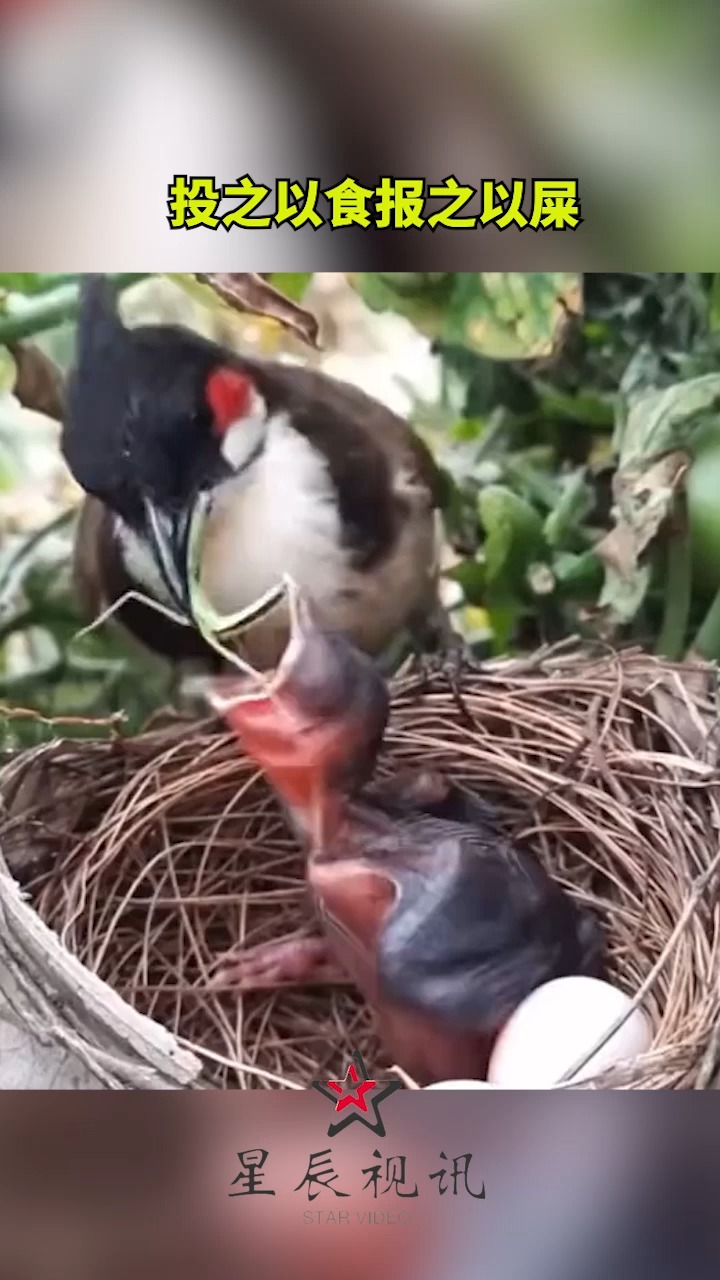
(150, 856)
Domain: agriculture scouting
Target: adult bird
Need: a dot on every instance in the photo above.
(299, 474)
(443, 925)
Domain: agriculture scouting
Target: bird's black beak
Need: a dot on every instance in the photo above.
(168, 537)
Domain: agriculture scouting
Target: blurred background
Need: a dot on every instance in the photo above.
(601, 1184)
(576, 418)
(102, 102)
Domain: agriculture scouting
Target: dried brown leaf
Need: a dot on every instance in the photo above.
(643, 499)
(39, 382)
(248, 291)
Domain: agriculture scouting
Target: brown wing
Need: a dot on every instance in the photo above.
(87, 576)
(388, 432)
(377, 461)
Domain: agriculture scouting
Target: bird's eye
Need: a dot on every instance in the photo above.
(229, 396)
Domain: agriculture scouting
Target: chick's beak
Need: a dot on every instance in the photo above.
(298, 751)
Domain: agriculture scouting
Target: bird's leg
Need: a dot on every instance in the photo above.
(287, 962)
(449, 656)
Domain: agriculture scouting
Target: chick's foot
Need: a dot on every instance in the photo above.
(288, 962)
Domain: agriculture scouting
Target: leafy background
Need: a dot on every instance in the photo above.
(577, 420)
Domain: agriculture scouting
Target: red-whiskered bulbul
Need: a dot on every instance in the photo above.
(305, 476)
(441, 922)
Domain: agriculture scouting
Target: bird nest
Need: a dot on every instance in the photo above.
(150, 856)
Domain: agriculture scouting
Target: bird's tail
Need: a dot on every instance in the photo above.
(99, 319)
(96, 386)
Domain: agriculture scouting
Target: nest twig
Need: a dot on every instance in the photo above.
(173, 850)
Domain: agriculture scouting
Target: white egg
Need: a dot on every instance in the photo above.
(461, 1084)
(557, 1025)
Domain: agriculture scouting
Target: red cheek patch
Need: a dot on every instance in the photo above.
(229, 395)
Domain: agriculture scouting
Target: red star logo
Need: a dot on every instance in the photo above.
(357, 1096)
(352, 1090)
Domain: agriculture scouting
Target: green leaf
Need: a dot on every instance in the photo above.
(472, 578)
(488, 383)
(515, 314)
(467, 430)
(585, 408)
(292, 283)
(501, 315)
(530, 472)
(8, 372)
(655, 431)
(503, 620)
(423, 298)
(513, 537)
(579, 574)
(33, 282)
(663, 419)
(574, 504)
(714, 302)
(47, 310)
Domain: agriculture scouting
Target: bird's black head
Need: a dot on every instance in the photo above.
(155, 415)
